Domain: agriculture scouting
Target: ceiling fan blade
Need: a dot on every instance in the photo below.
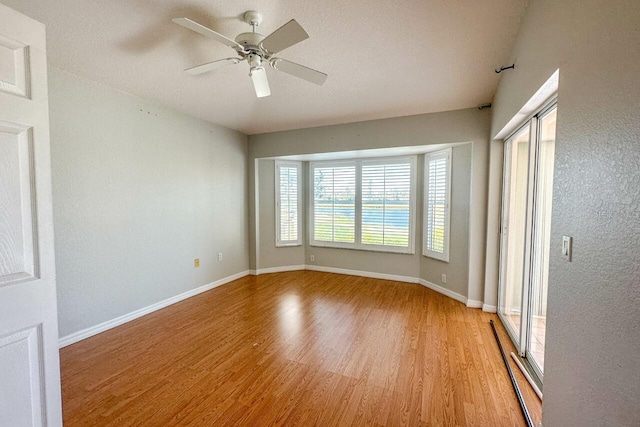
(300, 71)
(201, 29)
(260, 82)
(210, 66)
(289, 34)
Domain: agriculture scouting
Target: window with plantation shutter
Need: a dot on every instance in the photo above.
(288, 203)
(386, 202)
(364, 204)
(334, 203)
(437, 195)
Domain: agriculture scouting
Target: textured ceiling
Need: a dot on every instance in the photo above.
(384, 58)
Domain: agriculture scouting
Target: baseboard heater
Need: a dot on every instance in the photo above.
(514, 383)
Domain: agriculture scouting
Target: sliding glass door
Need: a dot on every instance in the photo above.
(514, 216)
(525, 234)
(542, 236)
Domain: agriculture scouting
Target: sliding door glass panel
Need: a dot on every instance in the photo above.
(514, 214)
(542, 236)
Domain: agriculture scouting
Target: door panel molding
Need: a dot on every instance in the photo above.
(18, 82)
(23, 352)
(18, 228)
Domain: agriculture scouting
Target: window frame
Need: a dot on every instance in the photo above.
(358, 245)
(444, 256)
(278, 220)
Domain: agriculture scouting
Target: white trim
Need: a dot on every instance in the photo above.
(542, 97)
(444, 291)
(94, 330)
(489, 308)
(360, 273)
(472, 303)
(281, 269)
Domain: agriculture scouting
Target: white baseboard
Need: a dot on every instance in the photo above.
(360, 273)
(444, 291)
(94, 330)
(408, 279)
(489, 308)
(277, 269)
(472, 303)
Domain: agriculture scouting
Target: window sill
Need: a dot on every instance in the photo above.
(288, 245)
(362, 248)
(441, 258)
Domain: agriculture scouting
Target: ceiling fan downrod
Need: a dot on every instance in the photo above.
(253, 18)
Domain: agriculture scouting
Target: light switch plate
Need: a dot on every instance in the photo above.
(567, 243)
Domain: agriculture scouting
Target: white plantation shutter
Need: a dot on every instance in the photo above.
(386, 203)
(288, 204)
(334, 202)
(364, 204)
(437, 197)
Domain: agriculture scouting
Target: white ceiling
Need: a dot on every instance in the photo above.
(384, 58)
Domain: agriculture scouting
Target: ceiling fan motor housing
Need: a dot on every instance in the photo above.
(255, 61)
(250, 42)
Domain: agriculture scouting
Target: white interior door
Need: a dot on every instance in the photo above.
(29, 362)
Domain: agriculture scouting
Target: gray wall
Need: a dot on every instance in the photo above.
(139, 191)
(593, 326)
(470, 165)
(457, 269)
(270, 256)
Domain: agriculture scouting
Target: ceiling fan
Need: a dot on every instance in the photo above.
(258, 51)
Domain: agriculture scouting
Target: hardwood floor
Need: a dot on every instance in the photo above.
(298, 348)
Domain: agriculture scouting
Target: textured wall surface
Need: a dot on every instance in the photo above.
(428, 129)
(593, 327)
(139, 191)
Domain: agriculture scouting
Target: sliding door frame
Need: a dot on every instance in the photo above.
(522, 342)
(544, 112)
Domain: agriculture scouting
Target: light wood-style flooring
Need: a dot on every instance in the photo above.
(298, 348)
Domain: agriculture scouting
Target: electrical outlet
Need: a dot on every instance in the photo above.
(196, 262)
(444, 278)
(313, 258)
(219, 256)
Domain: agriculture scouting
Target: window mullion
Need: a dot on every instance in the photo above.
(358, 205)
(384, 203)
(333, 206)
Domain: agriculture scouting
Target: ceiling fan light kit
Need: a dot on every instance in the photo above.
(258, 51)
